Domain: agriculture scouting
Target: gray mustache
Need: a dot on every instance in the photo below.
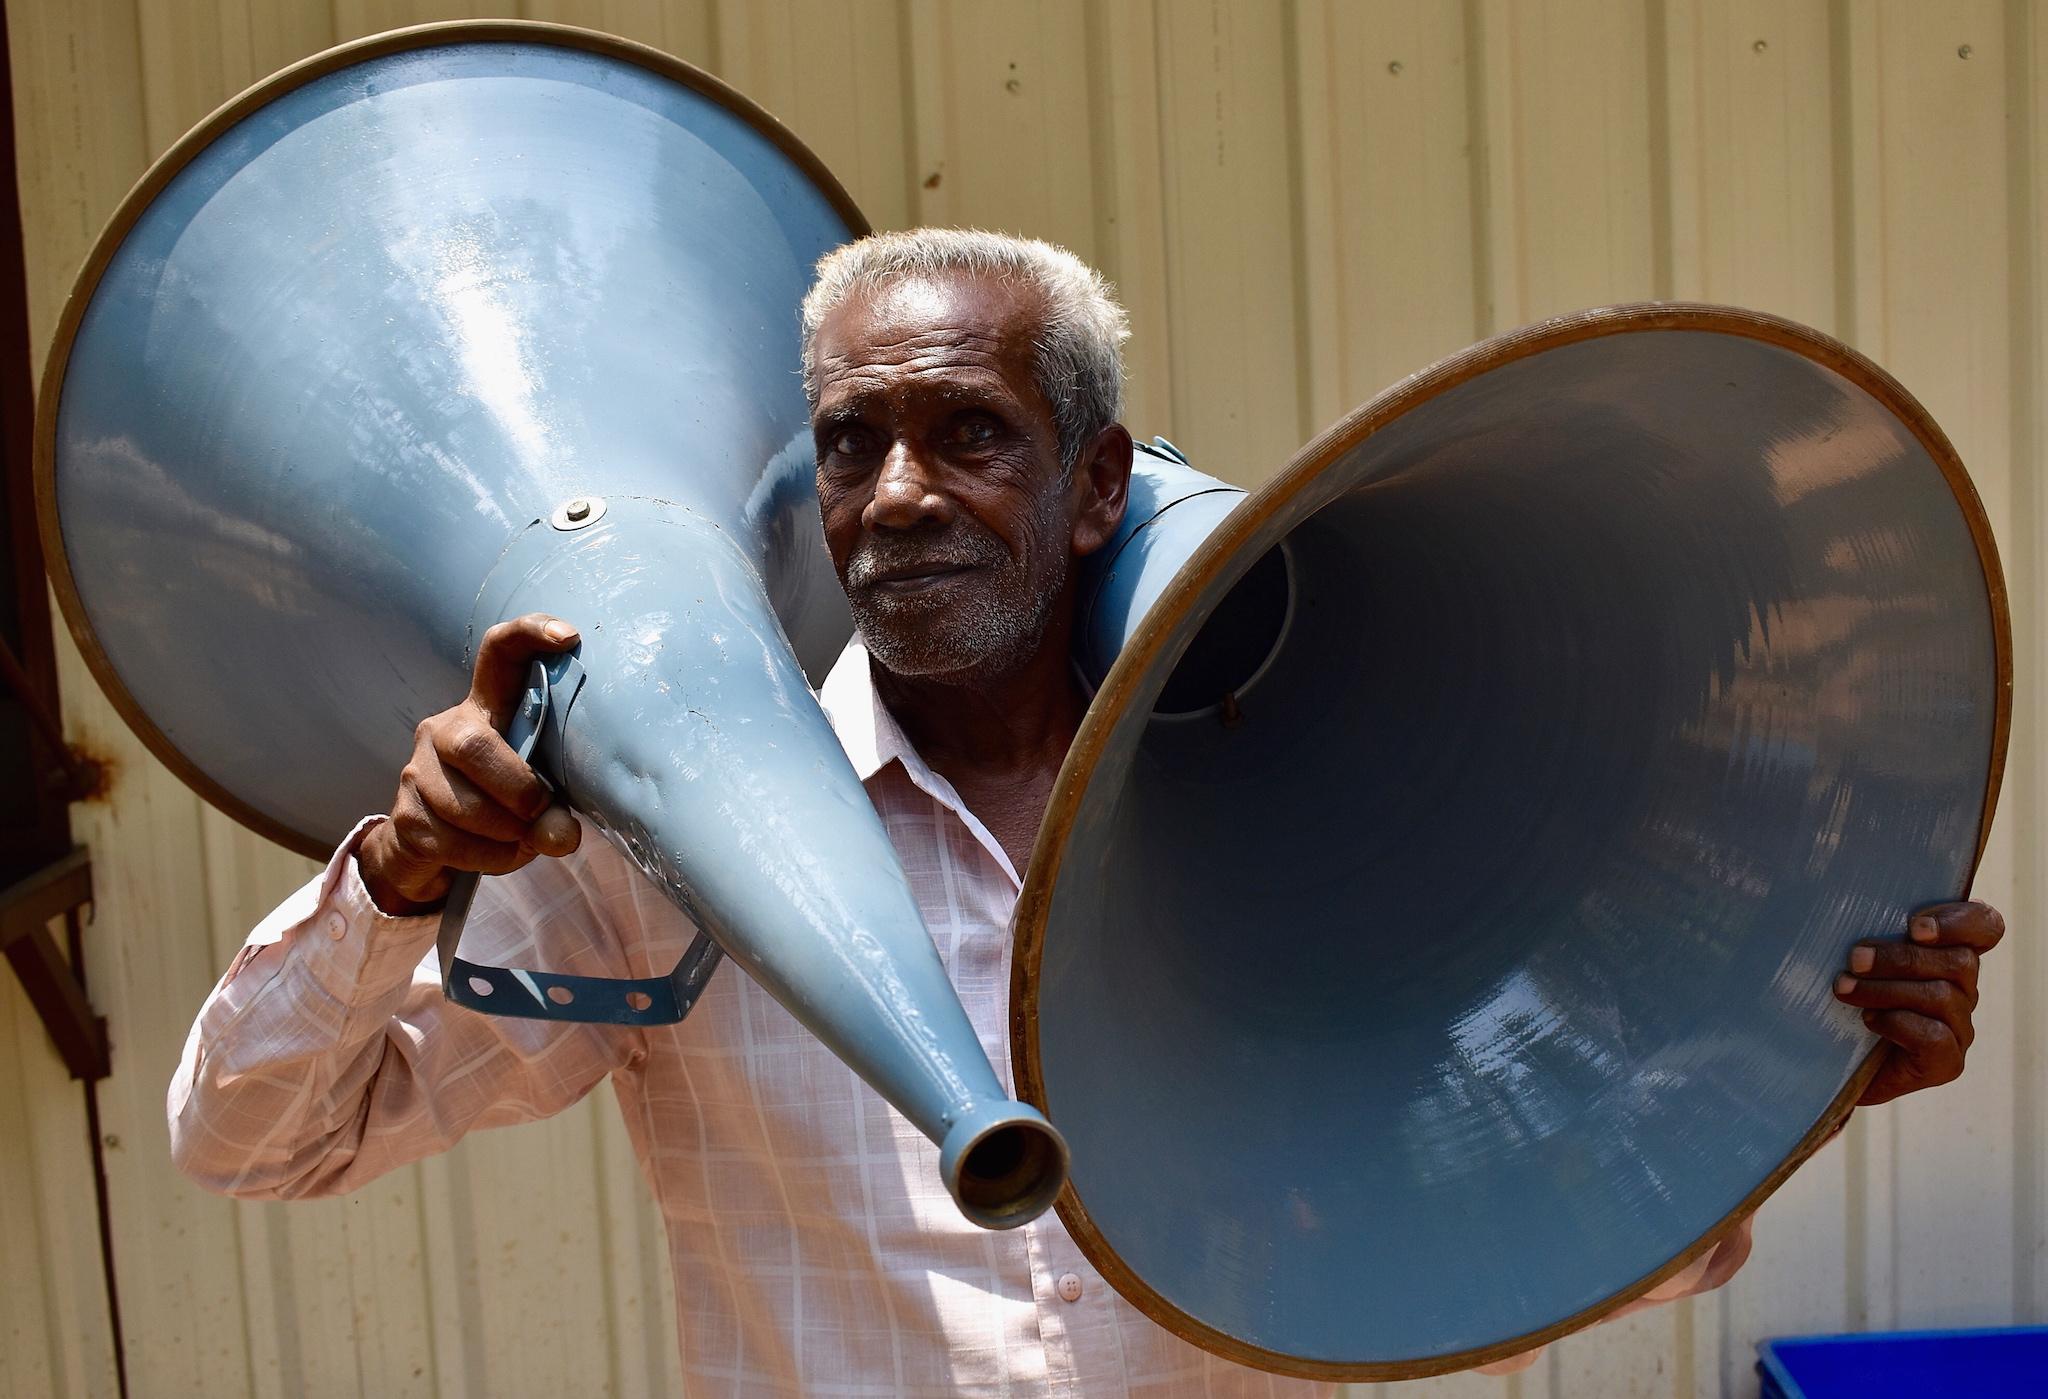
(877, 557)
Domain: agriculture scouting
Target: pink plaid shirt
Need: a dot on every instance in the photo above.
(815, 1251)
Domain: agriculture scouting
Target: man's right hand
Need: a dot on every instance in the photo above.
(466, 801)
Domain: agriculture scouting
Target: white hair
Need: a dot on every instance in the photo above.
(1078, 362)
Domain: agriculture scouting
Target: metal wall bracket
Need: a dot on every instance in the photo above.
(55, 987)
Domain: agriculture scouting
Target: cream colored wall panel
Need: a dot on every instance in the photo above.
(2027, 775)
(1232, 281)
(355, 18)
(77, 71)
(1132, 234)
(56, 1336)
(336, 1290)
(1630, 1356)
(832, 73)
(1531, 1385)
(1943, 329)
(1797, 1278)
(1567, 107)
(31, 1345)
(76, 77)
(198, 53)
(1750, 164)
(643, 1330)
(453, 1263)
(333, 1304)
(1002, 117)
(321, 1307)
(150, 965)
(684, 28)
(544, 1287)
(1383, 99)
(83, 139)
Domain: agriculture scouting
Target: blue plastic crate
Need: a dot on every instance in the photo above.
(1998, 1363)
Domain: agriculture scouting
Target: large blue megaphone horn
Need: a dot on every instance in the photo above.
(1486, 806)
(459, 323)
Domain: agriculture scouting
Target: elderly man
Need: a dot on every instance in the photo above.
(965, 390)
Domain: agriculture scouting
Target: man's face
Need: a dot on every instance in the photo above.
(945, 508)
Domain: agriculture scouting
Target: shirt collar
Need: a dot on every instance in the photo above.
(873, 739)
(867, 730)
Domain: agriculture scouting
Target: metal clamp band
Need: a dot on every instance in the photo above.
(537, 727)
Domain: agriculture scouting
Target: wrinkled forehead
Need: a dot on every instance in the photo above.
(933, 319)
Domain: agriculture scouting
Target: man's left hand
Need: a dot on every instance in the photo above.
(1920, 994)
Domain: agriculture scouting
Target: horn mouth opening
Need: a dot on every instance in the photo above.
(1589, 661)
(1004, 1168)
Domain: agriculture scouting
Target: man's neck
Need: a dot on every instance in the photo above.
(998, 739)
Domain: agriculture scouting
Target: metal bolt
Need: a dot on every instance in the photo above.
(1013, 85)
(578, 511)
(111, 1142)
(1963, 52)
(1760, 45)
(1395, 67)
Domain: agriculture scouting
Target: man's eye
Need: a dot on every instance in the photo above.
(852, 442)
(973, 432)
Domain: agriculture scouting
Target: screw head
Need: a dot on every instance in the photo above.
(1760, 45)
(1395, 67)
(577, 512)
(1964, 52)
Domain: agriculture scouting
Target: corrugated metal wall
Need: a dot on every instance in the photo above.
(1301, 202)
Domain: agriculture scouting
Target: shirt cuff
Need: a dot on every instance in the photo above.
(359, 955)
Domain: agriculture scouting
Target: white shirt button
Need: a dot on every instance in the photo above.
(1069, 1287)
(337, 926)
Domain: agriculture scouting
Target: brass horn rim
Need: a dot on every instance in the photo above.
(166, 167)
(1119, 686)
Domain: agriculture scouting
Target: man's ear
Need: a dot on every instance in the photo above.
(1101, 486)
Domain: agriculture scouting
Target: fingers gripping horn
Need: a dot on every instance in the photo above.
(467, 321)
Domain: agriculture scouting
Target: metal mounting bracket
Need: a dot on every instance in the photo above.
(55, 987)
(536, 734)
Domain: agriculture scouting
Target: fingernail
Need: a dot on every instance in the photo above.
(1862, 959)
(558, 631)
(1844, 984)
(1923, 930)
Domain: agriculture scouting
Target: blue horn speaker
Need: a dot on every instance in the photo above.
(1429, 944)
(464, 322)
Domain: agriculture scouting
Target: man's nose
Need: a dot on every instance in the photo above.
(906, 493)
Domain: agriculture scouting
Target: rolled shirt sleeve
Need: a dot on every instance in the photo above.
(326, 1055)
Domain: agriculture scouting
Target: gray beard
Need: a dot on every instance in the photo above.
(990, 626)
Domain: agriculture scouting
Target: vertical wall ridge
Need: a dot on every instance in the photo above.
(914, 166)
(1657, 57)
(1856, 1203)
(2023, 577)
(1298, 239)
(1479, 134)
